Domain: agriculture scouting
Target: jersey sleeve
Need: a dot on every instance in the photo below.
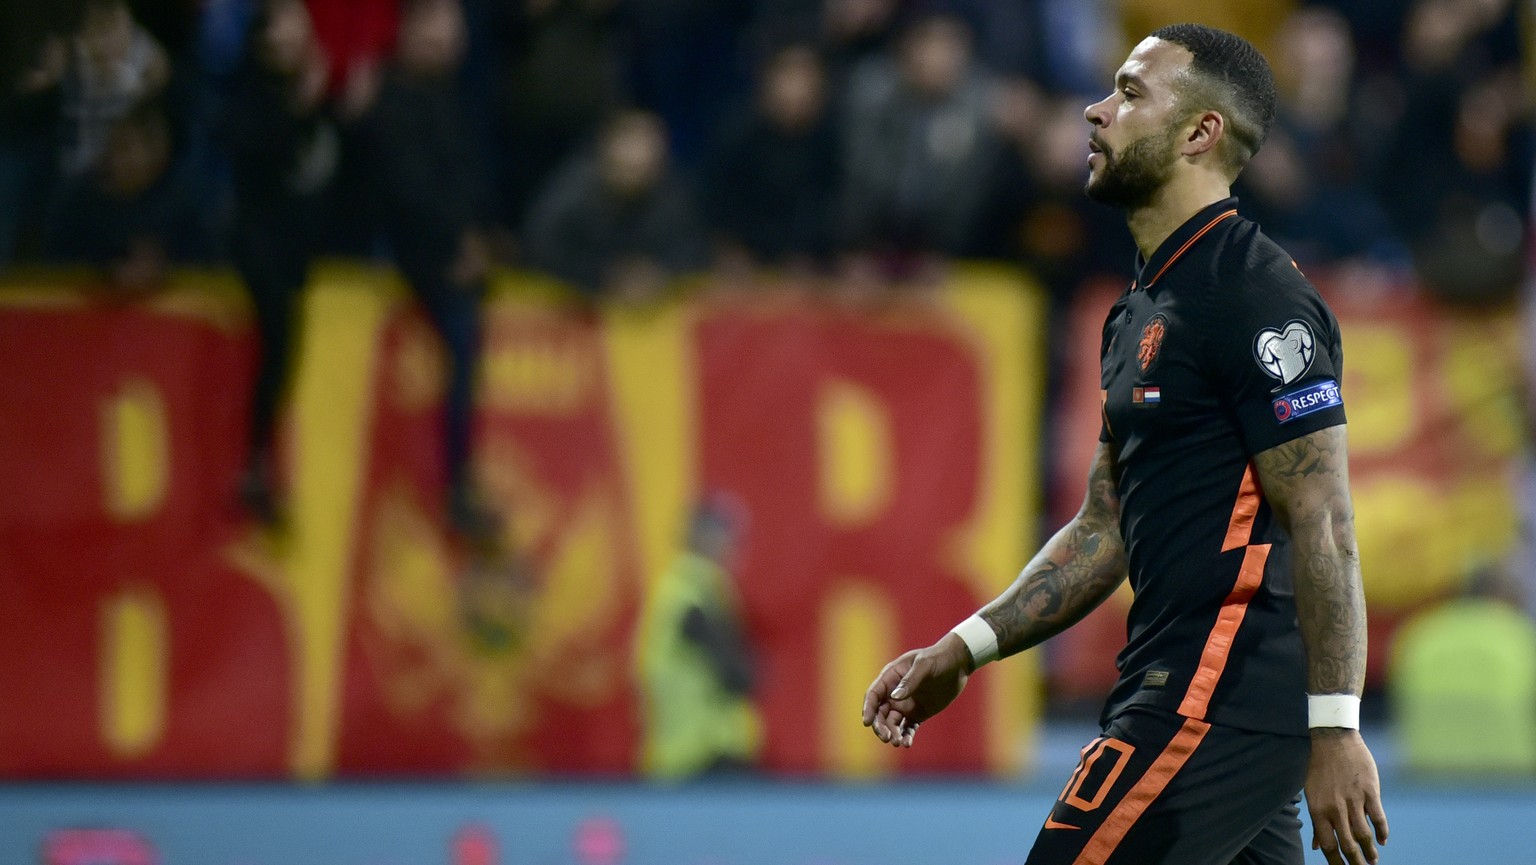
(1277, 357)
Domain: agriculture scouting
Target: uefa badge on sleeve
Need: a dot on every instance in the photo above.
(1285, 354)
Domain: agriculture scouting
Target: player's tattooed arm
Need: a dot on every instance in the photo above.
(1073, 573)
(1306, 482)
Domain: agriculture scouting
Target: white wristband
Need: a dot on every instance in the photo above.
(1333, 710)
(979, 638)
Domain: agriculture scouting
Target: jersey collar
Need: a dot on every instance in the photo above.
(1179, 242)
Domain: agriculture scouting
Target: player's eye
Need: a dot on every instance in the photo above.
(1128, 93)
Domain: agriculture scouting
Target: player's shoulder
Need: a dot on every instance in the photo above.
(1248, 256)
(1255, 272)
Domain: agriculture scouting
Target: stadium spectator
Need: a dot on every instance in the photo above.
(357, 37)
(133, 216)
(28, 115)
(1063, 45)
(684, 65)
(695, 666)
(1256, 22)
(771, 175)
(1448, 721)
(421, 164)
(1304, 186)
(618, 222)
(114, 65)
(1324, 222)
(222, 39)
(561, 78)
(1063, 237)
(920, 145)
(1454, 178)
(1374, 26)
(283, 151)
(847, 32)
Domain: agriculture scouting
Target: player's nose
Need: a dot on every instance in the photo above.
(1098, 113)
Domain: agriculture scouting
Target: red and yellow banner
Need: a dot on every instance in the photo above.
(148, 630)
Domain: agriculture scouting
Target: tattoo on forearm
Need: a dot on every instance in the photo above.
(1306, 481)
(1075, 571)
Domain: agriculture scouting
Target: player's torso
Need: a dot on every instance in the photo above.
(1181, 459)
(1190, 509)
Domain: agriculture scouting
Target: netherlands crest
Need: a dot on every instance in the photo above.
(1151, 343)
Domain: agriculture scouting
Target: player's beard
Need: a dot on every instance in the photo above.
(1132, 178)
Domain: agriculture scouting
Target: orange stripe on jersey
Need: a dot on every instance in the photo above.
(1219, 644)
(1240, 529)
(1114, 828)
(1187, 244)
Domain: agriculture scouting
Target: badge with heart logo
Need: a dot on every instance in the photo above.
(1285, 354)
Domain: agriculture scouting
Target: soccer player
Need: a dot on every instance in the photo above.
(1221, 484)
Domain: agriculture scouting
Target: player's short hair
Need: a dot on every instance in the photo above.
(1229, 75)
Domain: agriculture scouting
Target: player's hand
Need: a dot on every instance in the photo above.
(914, 688)
(1344, 798)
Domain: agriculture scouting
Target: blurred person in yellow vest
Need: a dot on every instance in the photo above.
(694, 662)
(1463, 684)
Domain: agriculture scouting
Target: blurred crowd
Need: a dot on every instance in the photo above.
(617, 143)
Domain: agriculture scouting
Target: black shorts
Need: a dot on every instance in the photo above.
(1162, 789)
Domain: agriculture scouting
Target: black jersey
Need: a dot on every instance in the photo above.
(1220, 350)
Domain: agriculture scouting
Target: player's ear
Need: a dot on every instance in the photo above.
(1205, 133)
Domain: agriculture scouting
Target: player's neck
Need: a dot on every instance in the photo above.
(1175, 203)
